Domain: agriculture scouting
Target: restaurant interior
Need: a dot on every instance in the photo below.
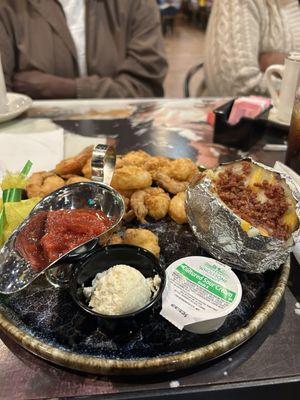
(149, 199)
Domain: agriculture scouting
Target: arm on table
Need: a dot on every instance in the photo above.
(39, 85)
(267, 59)
(143, 71)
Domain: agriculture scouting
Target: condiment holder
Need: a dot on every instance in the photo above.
(242, 135)
(15, 272)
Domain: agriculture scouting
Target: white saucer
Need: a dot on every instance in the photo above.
(17, 104)
(273, 117)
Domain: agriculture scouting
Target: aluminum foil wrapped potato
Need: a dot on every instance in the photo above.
(244, 214)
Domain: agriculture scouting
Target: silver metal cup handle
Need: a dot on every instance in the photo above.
(103, 163)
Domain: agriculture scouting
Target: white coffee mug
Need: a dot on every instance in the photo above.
(290, 77)
(3, 97)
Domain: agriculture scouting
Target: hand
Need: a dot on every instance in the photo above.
(39, 85)
(270, 58)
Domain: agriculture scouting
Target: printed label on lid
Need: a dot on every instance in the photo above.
(199, 289)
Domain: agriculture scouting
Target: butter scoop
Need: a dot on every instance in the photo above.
(120, 290)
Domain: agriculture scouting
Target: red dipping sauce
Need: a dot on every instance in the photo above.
(49, 235)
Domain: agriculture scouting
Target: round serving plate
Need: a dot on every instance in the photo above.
(16, 104)
(46, 321)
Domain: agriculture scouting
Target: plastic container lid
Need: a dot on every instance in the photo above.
(200, 292)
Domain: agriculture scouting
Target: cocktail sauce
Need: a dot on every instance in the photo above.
(49, 235)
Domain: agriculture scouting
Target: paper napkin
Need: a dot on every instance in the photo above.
(44, 149)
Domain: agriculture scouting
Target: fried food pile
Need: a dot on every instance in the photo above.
(70, 170)
(151, 186)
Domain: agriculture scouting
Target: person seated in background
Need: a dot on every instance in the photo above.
(169, 7)
(243, 39)
(85, 49)
(168, 11)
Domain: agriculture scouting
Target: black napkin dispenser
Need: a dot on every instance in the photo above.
(242, 135)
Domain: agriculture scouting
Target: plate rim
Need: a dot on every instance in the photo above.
(146, 366)
(9, 115)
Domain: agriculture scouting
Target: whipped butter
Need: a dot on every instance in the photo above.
(200, 292)
(121, 290)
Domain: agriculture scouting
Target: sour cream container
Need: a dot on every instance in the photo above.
(200, 292)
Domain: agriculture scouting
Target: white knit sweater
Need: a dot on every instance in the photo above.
(238, 31)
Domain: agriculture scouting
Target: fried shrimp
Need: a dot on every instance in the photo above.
(74, 165)
(76, 178)
(138, 206)
(87, 169)
(115, 239)
(157, 201)
(129, 214)
(136, 158)
(142, 238)
(40, 184)
(131, 177)
(151, 201)
(119, 162)
(175, 176)
(181, 169)
(126, 203)
(177, 208)
(170, 184)
(154, 164)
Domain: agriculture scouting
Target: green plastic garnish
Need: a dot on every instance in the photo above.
(12, 186)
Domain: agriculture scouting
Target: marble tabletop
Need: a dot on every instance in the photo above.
(268, 363)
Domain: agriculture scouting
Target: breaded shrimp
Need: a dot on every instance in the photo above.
(40, 184)
(126, 203)
(129, 213)
(74, 165)
(87, 169)
(171, 185)
(142, 238)
(137, 202)
(157, 201)
(136, 158)
(154, 164)
(119, 162)
(181, 169)
(131, 177)
(151, 201)
(177, 208)
(115, 239)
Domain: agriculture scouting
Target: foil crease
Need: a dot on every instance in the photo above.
(219, 232)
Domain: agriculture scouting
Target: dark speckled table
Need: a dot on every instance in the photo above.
(267, 366)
